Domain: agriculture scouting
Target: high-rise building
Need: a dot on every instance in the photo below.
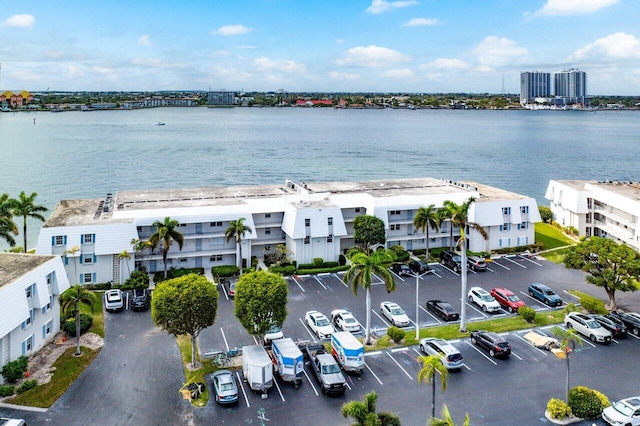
(221, 97)
(534, 84)
(571, 86)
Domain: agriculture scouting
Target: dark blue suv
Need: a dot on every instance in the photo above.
(544, 294)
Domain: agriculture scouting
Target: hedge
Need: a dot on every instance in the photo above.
(558, 409)
(519, 249)
(585, 403)
(225, 271)
(7, 391)
(69, 325)
(26, 385)
(323, 270)
(14, 370)
(175, 273)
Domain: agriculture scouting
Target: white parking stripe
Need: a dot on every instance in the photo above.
(319, 282)
(529, 260)
(480, 352)
(513, 261)
(398, 364)
(313, 337)
(309, 380)
(516, 355)
(543, 352)
(500, 265)
(374, 374)
(473, 306)
(242, 387)
(296, 281)
(342, 282)
(226, 345)
(275, 382)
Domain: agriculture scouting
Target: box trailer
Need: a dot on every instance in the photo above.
(288, 360)
(257, 368)
(348, 351)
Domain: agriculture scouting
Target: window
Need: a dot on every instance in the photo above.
(87, 258)
(523, 241)
(395, 227)
(216, 241)
(216, 224)
(183, 260)
(357, 210)
(524, 209)
(215, 258)
(267, 215)
(87, 278)
(394, 212)
(330, 238)
(329, 221)
(32, 316)
(589, 203)
(523, 225)
(50, 278)
(505, 242)
(46, 308)
(27, 345)
(506, 210)
(29, 291)
(59, 240)
(267, 231)
(505, 227)
(47, 329)
(307, 222)
(306, 239)
(87, 238)
(182, 225)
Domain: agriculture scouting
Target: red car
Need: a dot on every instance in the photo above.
(507, 299)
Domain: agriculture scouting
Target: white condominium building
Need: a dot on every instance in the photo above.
(603, 209)
(314, 220)
(29, 308)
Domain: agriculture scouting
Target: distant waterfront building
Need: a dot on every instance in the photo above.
(29, 308)
(313, 220)
(609, 209)
(221, 97)
(15, 99)
(534, 85)
(571, 87)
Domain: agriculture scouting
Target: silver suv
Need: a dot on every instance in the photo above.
(476, 263)
(113, 300)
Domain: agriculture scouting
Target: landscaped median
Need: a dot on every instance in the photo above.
(195, 376)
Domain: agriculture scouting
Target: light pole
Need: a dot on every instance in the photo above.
(418, 276)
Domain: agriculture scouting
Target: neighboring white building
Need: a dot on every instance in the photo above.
(314, 220)
(603, 209)
(29, 308)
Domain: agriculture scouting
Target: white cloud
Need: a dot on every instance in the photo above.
(53, 54)
(417, 22)
(494, 51)
(618, 46)
(74, 72)
(219, 53)
(398, 73)
(145, 40)
(446, 64)
(372, 56)
(102, 70)
(573, 7)
(20, 21)
(231, 30)
(246, 46)
(343, 76)
(380, 6)
(155, 63)
(269, 65)
(339, 41)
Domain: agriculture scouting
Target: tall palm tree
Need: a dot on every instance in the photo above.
(126, 256)
(166, 233)
(235, 231)
(364, 412)
(567, 338)
(71, 300)
(8, 227)
(25, 206)
(426, 218)
(72, 252)
(460, 218)
(447, 420)
(360, 274)
(444, 214)
(431, 365)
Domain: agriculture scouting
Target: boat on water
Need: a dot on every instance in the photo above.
(160, 123)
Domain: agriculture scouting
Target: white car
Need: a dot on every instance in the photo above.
(345, 321)
(274, 333)
(113, 300)
(624, 412)
(319, 324)
(588, 327)
(450, 356)
(484, 299)
(395, 314)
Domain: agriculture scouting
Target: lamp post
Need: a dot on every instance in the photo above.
(418, 276)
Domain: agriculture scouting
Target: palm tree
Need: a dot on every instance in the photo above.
(360, 274)
(460, 218)
(425, 218)
(364, 412)
(25, 206)
(567, 338)
(127, 256)
(446, 419)
(8, 227)
(72, 252)
(431, 365)
(70, 302)
(235, 231)
(444, 214)
(166, 233)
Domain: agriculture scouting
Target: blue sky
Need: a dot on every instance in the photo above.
(426, 46)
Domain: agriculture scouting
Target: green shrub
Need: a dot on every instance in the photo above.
(395, 334)
(558, 409)
(330, 264)
(604, 401)
(419, 252)
(7, 391)
(322, 270)
(101, 286)
(317, 262)
(527, 313)
(283, 270)
(70, 324)
(545, 214)
(137, 279)
(404, 256)
(584, 402)
(342, 260)
(573, 231)
(175, 273)
(14, 370)
(571, 307)
(224, 271)
(593, 305)
(307, 266)
(26, 385)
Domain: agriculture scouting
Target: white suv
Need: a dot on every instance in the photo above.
(624, 412)
(588, 327)
(482, 298)
(113, 300)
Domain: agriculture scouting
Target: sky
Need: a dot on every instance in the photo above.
(416, 46)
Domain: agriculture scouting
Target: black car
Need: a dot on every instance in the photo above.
(443, 310)
(420, 267)
(611, 323)
(140, 299)
(401, 269)
(630, 319)
(451, 260)
(492, 342)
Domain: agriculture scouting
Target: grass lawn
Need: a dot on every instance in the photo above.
(67, 369)
(551, 237)
(98, 316)
(195, 376)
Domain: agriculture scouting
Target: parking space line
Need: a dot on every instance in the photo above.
(226, 345)
(572, 295)
(450, 270)
(243, 392)
(319, 282)
(508, 258)
(435, 273)
(224, 291)
(275, 382)
(530, 344)
(537, 308)
(501, 265)
(383, 320)
(431, 315)
(398, 364)
(480, 352)
(372, 353)
(473, 306)
(396, 275)
(516, 355)
(529, 260)
(343, 283)
(633, 335)
(296, 281)
(307, 328)
(374, 374)
(309, 380)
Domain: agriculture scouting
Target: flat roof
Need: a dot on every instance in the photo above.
(490, 193)
(627, 189)
(15, 265)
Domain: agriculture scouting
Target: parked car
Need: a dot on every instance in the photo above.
(611, 323)
(450, 356)
(443, 310)
(319, 324)
(114, 302)
(544, 294)
(492, 342)
(230, 288)
(482, 298)
(225, 389)
(275, 332)
(140, 299)
(451, 260)
(625, 412)
(420, 267)
(5, 421)
(343, 320)
(395, 314)
(631, 320)
(401, 269)
(476, 263)
(507, 299)
(588, 327)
